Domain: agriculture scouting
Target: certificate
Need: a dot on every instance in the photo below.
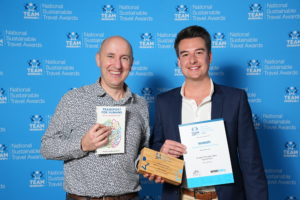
(207, 161)
(114, 117)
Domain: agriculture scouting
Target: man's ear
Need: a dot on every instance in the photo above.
(210, 58)
(178, 63)
(98, 59)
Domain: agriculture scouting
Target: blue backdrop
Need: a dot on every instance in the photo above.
(48, 47)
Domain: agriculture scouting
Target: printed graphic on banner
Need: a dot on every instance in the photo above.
(21, 39)
(165, 40)
(281, 11)
(291, 95)
(1, 40)
(215, 71)
(219, 40)
(37, 179)
(255, 12)
(294, 39)
(279, 67)
(3, 97)
(2, 129)
(46, 11)
(147, 93)
(253, 68)
(34, 68)
(291, 150)
(244, 40)
(108, 13)
(252, 96)
(3, 152)
(181, 13)
(31, 11)
(24, 96)
(25, 152)
(73, 40)
(133, 13)
(277, 122)
(280, 177)
(256, 121)
(138, 69)
(37, 123)
(146, 41)
(177, 69)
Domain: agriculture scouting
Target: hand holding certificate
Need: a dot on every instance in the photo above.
(207, 161)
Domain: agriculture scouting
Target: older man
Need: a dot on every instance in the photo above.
(73, 134)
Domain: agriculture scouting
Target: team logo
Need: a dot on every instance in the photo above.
(3, 152)
(108, 13)
(3, 98)
(181, 13)
(34, 68)
(148, 95)
(256, 12)
(37, 123)
(294, 39)
(31, 11)
(290, 149)
(253, 67)
(219, 40)
(291, 95)
(177, 70)
(146, 41)
(37, 179)
(73, 40)
(195, 131)
(256, 121)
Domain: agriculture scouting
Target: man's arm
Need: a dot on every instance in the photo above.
(249, 154)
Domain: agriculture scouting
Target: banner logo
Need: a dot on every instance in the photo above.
(294, 39)
(73, 40)
(37, 123)
(34, 68)
(1, 40)
(31, 11)
(219, 40)
(291, 95)
(37, 179)
(256, 121)
(3, 152)
(181, 13)
(256, 12)
(148, 95)
(146, 41)
(290, 149)
(253, 67)
(108, 13)
(3, 98)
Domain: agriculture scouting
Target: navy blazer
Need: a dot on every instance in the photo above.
(232, 105)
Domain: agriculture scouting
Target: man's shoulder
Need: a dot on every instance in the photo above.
(80, 91)
(227, 90)
(170, 93)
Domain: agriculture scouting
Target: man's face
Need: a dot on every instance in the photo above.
(115, 60)
(194, 58)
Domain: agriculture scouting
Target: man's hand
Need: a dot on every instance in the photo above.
(96, 137)
(173, 148)
(155, 178)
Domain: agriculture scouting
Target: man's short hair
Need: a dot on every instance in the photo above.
(193, 32)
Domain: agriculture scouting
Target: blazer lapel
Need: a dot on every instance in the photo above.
(176, 110)
(217, 103)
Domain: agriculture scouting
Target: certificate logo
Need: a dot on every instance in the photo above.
(195, 131)
(146, 163)
(31, 11)
(181, 13)
(34, 68)
(3, 98)
(291, 95)
(291, 149)
(108, 13)
(294, 39)
(3, 152)
(219, 40)
(37, 179)
(73, 40)
(37, 123)
(256, 12)
(146, 41)
(253, 68)
(148, 94)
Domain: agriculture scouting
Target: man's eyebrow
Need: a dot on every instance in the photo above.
(185, 51)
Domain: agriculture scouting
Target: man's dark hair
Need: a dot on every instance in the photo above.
(193, 32)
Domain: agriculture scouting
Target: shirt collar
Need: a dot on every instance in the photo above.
(212, 88)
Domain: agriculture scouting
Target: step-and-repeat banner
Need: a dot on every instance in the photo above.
(48, 47)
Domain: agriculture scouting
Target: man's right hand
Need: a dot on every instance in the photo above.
(173, 148)
(96, 137)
